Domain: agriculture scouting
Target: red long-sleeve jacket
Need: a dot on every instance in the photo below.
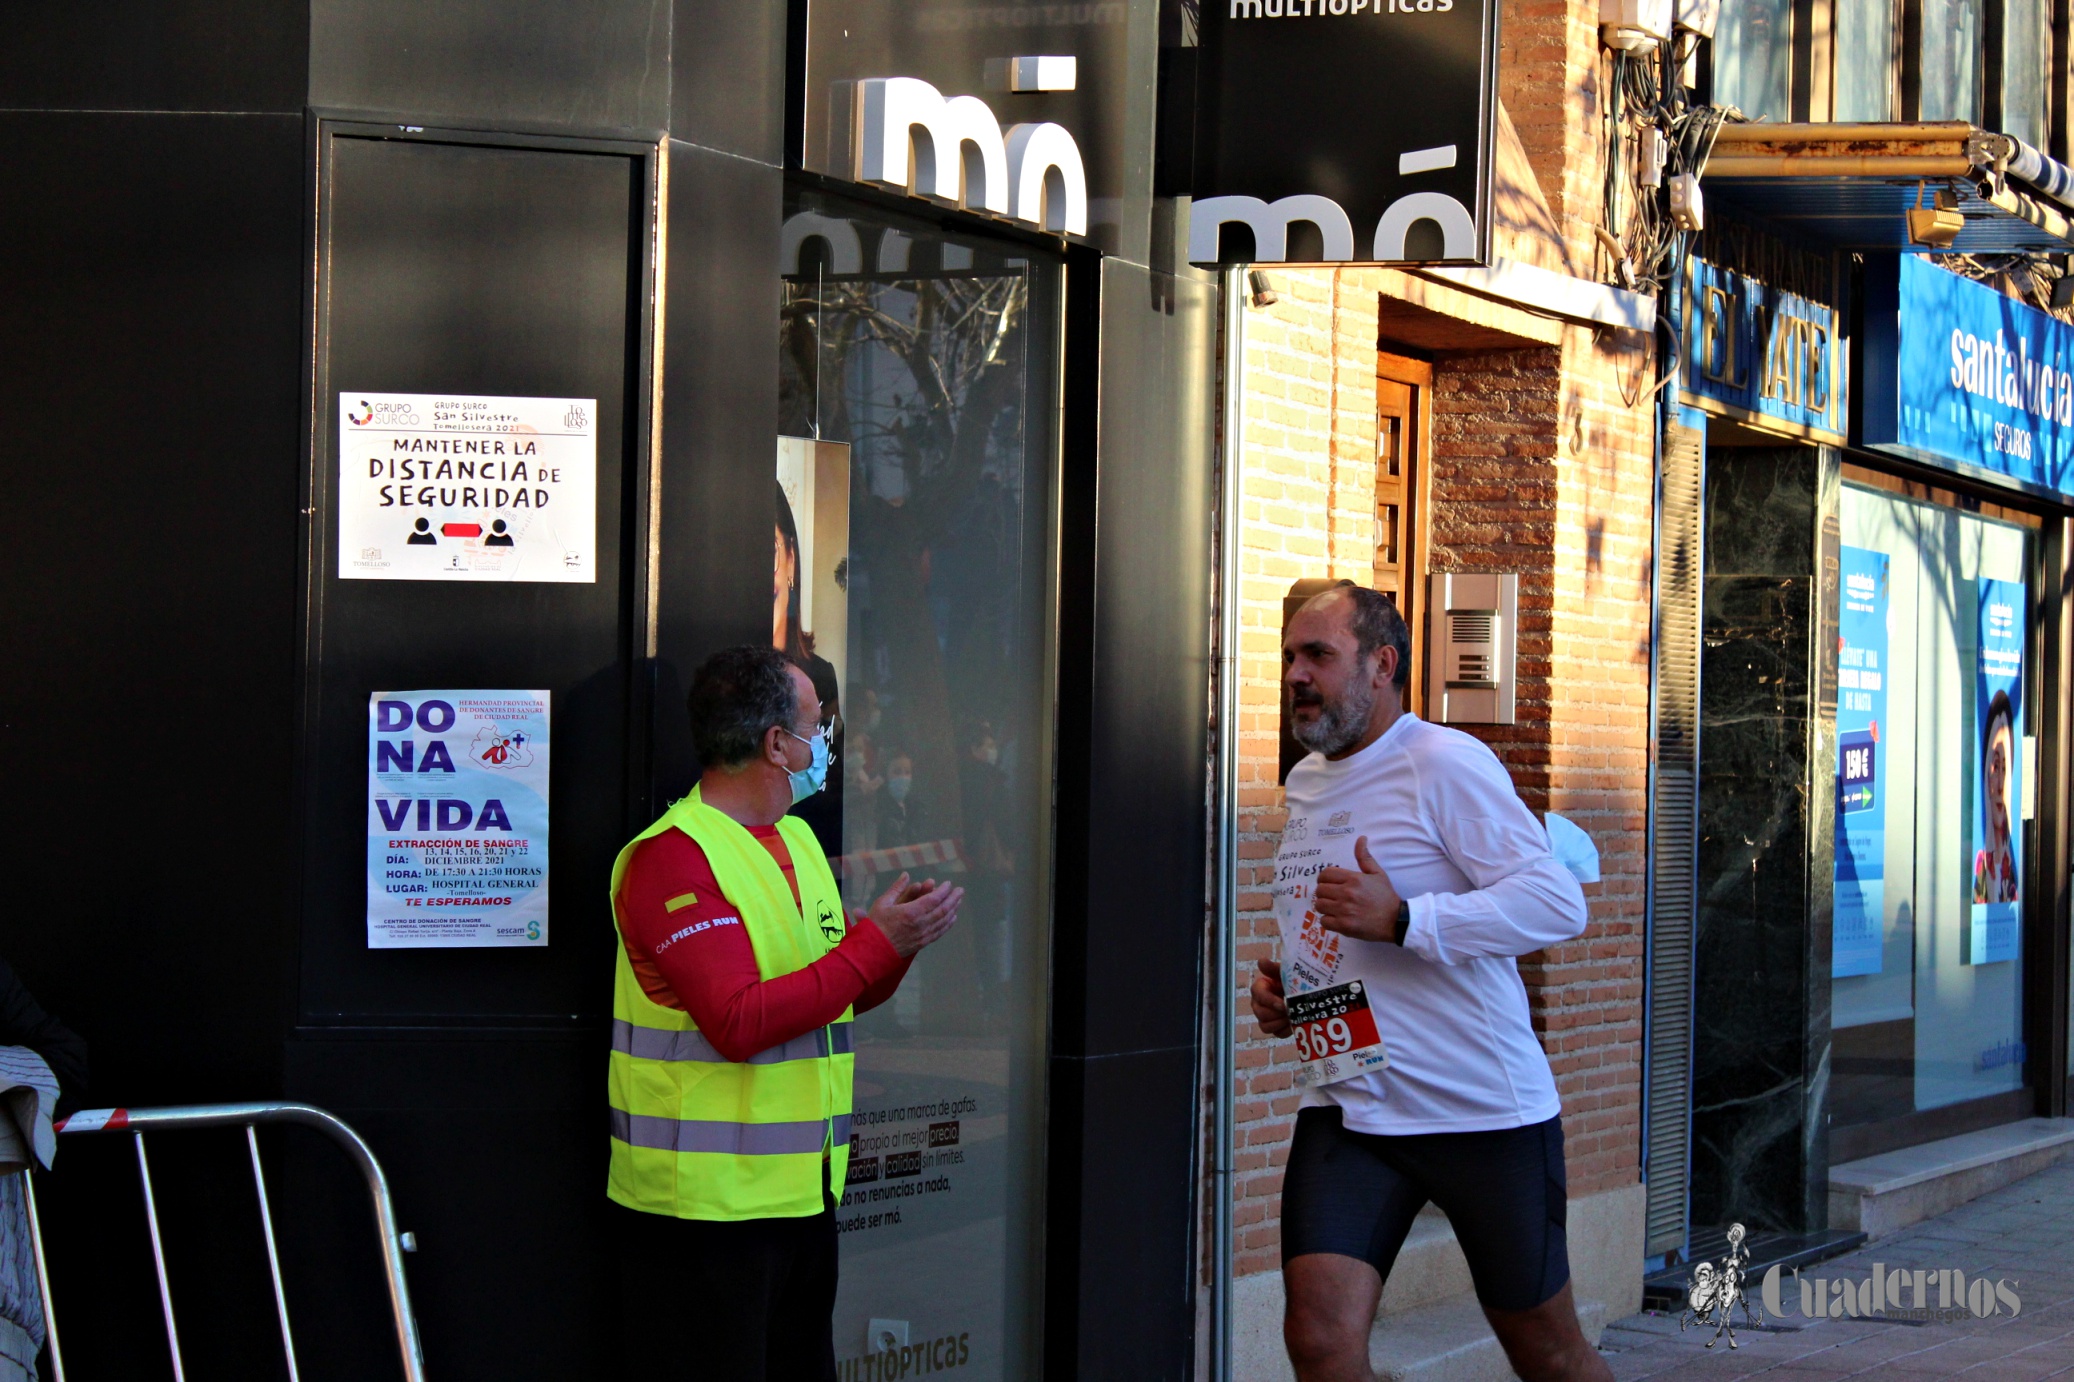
(687, 947)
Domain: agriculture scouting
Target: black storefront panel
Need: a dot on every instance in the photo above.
(473, 270)
(1134, 647)
(462, 268)
(153, 273)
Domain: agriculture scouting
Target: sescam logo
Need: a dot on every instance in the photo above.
(961, 156)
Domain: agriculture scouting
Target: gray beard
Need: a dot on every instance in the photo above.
(1340, 724)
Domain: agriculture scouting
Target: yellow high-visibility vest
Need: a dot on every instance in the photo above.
(699, 1136)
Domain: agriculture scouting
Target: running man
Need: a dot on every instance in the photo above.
(1409, 878)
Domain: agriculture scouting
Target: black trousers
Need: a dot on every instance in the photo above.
(748, 1301)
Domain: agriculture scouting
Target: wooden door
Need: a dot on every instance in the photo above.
(1403, 449)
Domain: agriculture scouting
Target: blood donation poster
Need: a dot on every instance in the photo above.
(456, 819)
(1861, 811)
(1998, 716)
(463, 487)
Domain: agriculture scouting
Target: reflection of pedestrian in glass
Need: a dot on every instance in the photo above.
(498, 537)
(862, 791)
(423, 536)
(903, 816)
(1994, 868)
(983, 788)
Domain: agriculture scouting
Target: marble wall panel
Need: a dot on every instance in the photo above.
(1761, 1028)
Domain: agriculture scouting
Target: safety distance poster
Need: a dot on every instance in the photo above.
(1861, 810)
(460, 487)
(457, 849)
(1998, 716)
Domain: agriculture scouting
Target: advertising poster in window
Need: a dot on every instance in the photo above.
(456, 819)
(1997, 871)
(810, 611)
(462, 487)
(1861, 812)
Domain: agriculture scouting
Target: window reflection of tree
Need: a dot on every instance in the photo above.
(924, 377)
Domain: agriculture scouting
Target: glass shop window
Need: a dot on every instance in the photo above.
(915, 467)
(1936, 792)
(1753, 58)
(1953, 43)
(1865, 77)
(2026, 40)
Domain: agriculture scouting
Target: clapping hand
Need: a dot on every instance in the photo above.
(914, 915)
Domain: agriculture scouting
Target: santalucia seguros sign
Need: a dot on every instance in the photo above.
(1339, 131)
(1957, 375)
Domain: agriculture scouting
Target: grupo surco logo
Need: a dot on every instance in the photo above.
(367, 414)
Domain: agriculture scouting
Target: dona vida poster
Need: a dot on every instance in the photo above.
(1861, 809)
(456, 819)
(1997, 872)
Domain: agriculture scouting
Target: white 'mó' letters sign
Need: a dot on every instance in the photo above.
(952, 150)
(1270, 221)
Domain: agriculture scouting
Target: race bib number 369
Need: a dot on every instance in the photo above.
(1335, 1035)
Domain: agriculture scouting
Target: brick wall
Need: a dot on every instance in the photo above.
(1542, 465)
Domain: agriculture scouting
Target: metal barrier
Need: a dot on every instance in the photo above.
(137, 1121)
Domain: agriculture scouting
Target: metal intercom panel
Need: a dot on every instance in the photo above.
(1475, 628)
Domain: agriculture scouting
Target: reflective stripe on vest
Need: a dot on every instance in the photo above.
(733, 1139)
(655, 1043)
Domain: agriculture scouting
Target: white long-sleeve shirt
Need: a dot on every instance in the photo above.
(1443, 821)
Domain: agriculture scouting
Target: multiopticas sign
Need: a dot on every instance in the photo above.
(1959, 375)
(1305, 9)
(1338, 131)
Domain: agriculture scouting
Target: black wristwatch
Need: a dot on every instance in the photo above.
(1403, 921)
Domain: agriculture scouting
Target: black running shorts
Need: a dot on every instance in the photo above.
(1355, 1194)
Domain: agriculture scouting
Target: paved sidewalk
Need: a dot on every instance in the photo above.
(2023, 1233)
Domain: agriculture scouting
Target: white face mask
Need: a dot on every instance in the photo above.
(990, 755)
(898, 787)
(814, 776)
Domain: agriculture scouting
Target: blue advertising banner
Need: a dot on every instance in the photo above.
(1957, 375)
(1861, 808)
(1760, 354)
(1998, 716)
(456, 819)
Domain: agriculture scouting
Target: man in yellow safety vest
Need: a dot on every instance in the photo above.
(735, 982)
